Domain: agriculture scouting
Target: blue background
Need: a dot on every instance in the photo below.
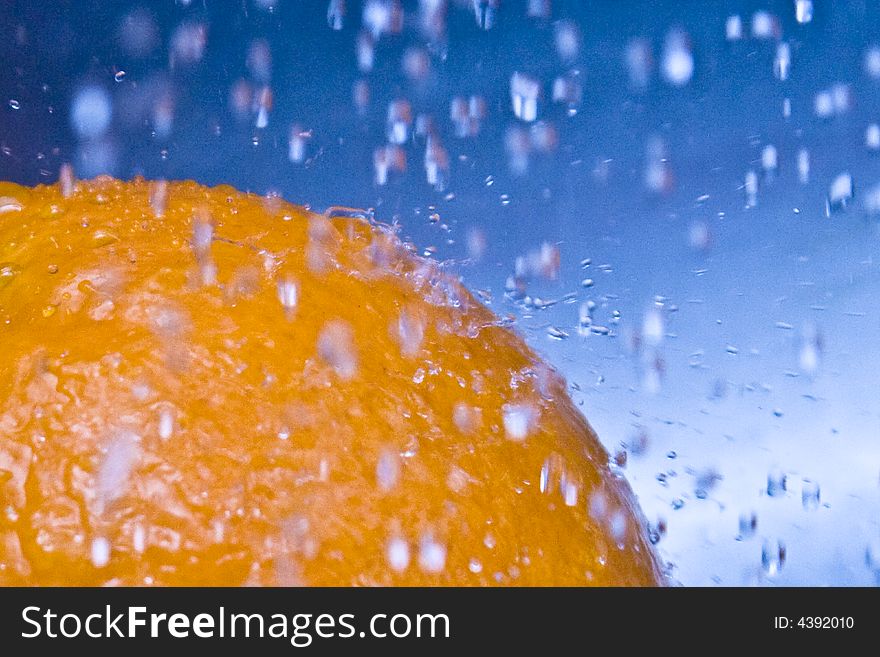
(733, 406)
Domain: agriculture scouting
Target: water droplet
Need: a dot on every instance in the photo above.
(652, 327)
(158, 197)
(119, 76)
(658, 176)
(9, 204)
(597, 505)
(398, 122)
(336, 348)
(782, 61)
(297, 144)
(14, 104)
(115, 469)
(840, 193)
(811, 349)
(485, 13)
(617, 525)
(288, 294)
(388, 470)
(100, 552)
(525, 91)
(387, 159)
(568, 91)
(769, 161)
(567, 39)
(262, 120)
(585, 317)
(836, 101)
(803, 11)
(436, 164)
(360, 93)
(382, 16)
(139, 538)
(872, 137)
(656, 531)
(410, 333)
(416, 64)
(103, 238)
(166, 423)
(336, 14)
(803, 165)
(810, 494)
(570, 493)
(187, 44)
(639, 62)
(432, 555)
(474, 565)
(776, 483)
(543, 137)
(678, 61)
(90, 112)
(465, 417)
(733, 28)
(519, 421)
(397, 554)
(765, 25)
(748, 525)
(823, 105)
(552, 474)
(872, 62)
(772, 557)
(751, 188)
(366, 52)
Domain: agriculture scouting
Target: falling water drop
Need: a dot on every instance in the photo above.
(840, 193)
(397, 554)
(100, 552)
(525, 91)
(432, 555)
(336, 14)
(803, 11)
(772, 557)
(810, 494)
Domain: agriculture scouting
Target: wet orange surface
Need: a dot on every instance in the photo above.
(205, 387)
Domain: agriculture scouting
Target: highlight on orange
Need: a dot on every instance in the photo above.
(204, 387)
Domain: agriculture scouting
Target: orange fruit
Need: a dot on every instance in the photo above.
(203, 387)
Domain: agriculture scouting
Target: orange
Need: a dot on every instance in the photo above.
(203, 387)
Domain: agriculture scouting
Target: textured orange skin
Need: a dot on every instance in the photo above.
(105, 321)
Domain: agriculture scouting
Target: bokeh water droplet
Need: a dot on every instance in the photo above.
(840, 193)
(519, 421)
(525, 92)
(432, 555)
(773, 555)
(803, 11)
(810, 494)
(678, 60)
(397, 554)
(100, 552)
